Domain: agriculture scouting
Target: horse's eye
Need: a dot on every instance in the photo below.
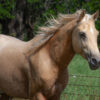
(82, 35)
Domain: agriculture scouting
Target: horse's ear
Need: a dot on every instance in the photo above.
(81, 14)
(95, 15)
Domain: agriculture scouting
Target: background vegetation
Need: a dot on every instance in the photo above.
(21, 18)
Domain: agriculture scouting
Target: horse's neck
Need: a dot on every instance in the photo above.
(36, 43)
(60, 48)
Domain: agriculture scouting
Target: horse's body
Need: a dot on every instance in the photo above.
(15, 75)
(12, 61)
(37, 69)
(14, 66)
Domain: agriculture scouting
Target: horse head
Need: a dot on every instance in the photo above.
(84, 40)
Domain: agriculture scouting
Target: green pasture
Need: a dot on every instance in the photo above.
(82, 88)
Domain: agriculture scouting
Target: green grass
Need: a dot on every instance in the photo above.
(79, 67)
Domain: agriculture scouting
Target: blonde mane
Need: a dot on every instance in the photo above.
(54, 24)
(47, 32)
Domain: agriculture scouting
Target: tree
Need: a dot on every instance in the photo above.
(15, 19)
(21, 18)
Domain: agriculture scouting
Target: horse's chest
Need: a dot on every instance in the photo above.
(57, 85)
(49, 76)
(45, 68)
(48, 73)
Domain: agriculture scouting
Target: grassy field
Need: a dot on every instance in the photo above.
(80, 86)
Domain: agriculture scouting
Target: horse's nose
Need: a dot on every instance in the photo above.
(94, 61)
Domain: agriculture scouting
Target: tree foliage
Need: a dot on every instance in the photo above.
(7, 9)
(38, 11)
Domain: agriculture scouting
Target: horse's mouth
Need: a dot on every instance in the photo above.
(92, 67)
(93, 62)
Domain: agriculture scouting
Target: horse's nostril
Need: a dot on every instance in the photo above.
(93, 61)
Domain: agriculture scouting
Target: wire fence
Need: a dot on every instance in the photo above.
(82, 87)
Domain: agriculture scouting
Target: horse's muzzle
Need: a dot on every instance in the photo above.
(94, 63)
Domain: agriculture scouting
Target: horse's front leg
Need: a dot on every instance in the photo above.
(56, 95)
(60, 85)
(38, 96)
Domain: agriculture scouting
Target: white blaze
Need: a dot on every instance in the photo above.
(91, 30)
(86, 18)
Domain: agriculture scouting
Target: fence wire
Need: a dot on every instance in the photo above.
(82, 87)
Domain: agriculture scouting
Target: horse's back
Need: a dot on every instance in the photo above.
(10, 41)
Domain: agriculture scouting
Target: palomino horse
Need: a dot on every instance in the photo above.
(37, 69)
